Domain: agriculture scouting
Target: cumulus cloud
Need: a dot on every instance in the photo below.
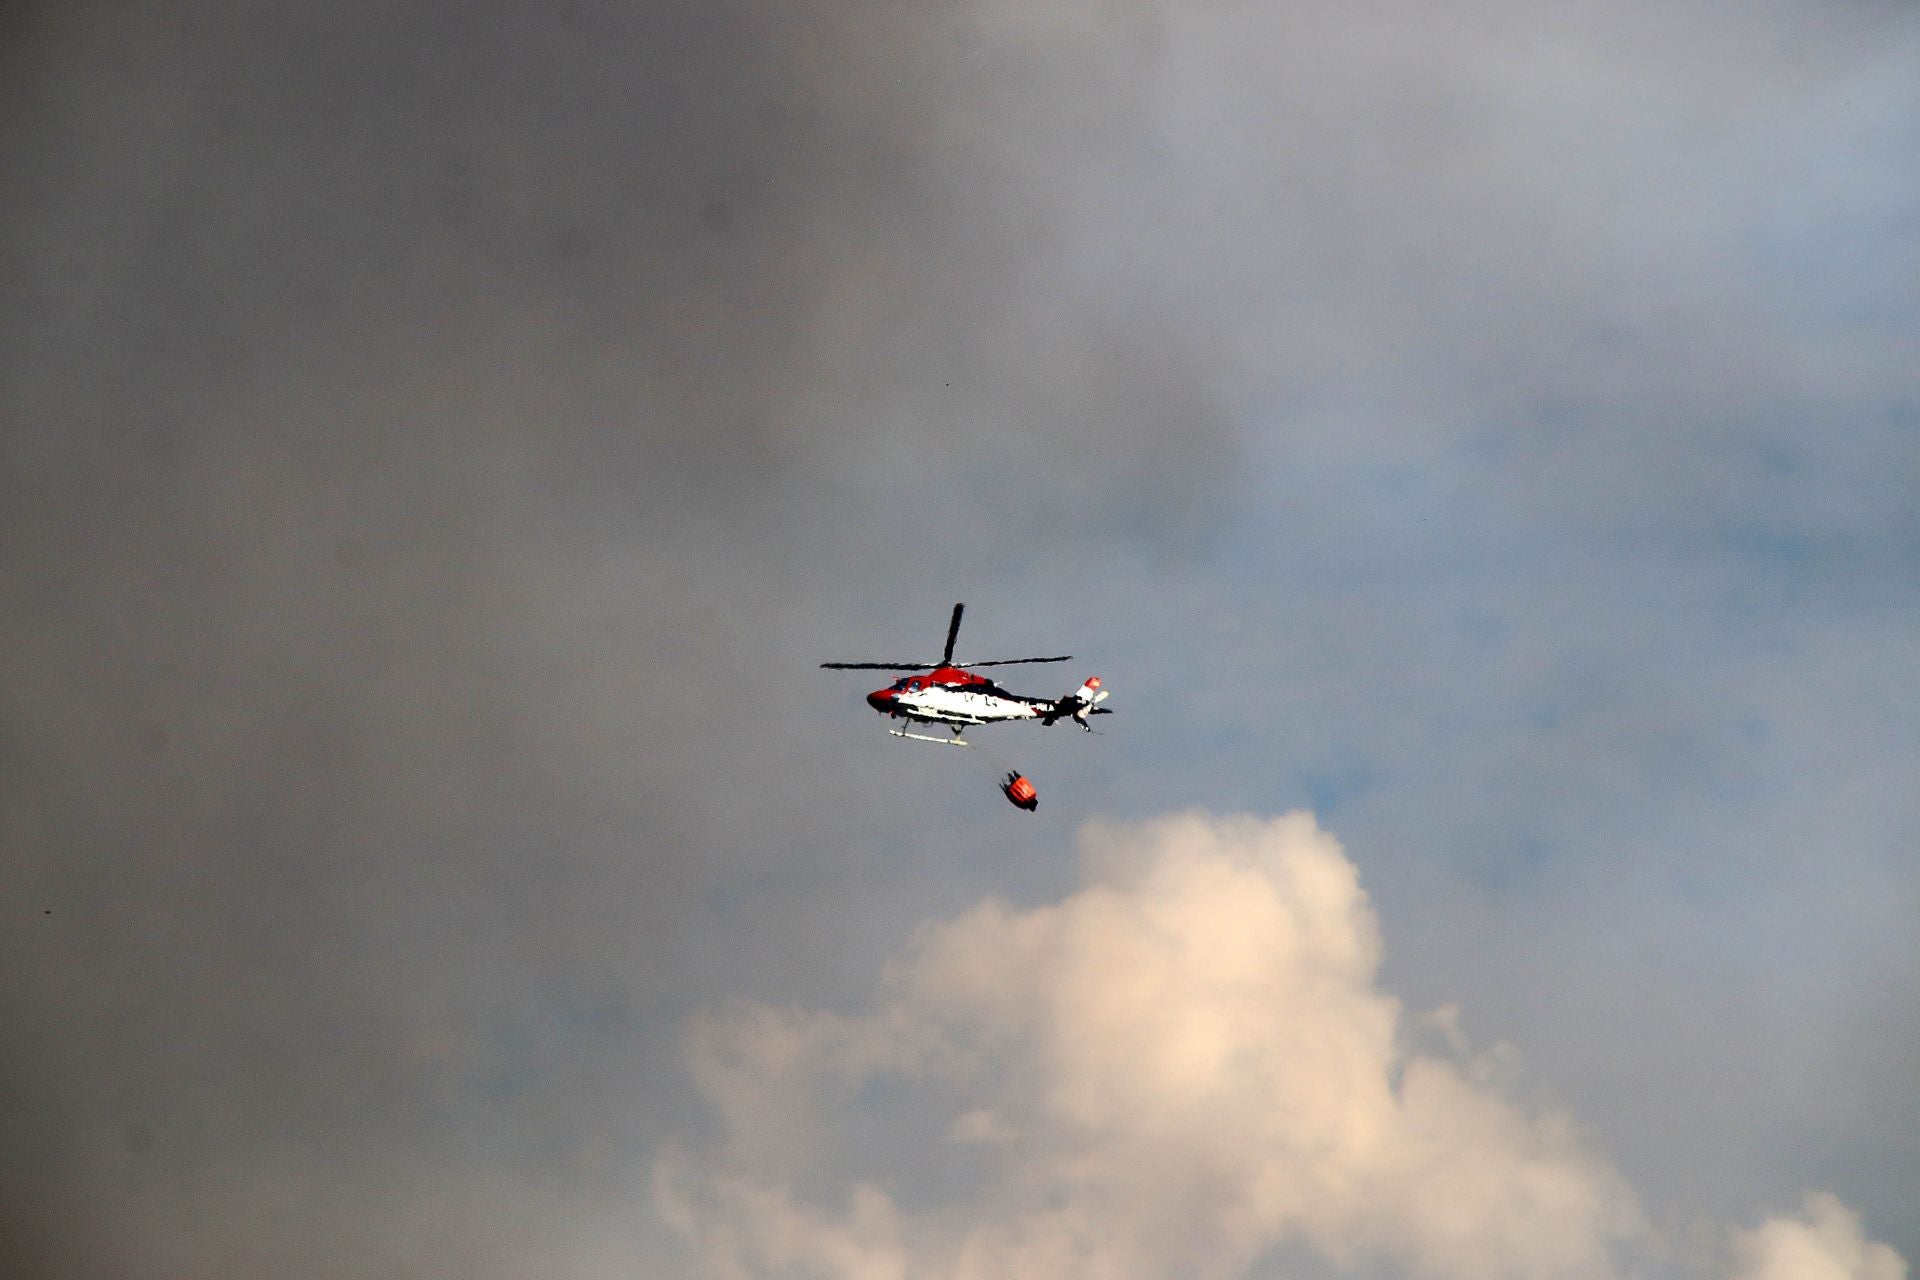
(1824, 1242)
(1182, 1066)
(1182, 1069)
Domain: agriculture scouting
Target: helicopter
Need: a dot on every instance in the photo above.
(948, 693)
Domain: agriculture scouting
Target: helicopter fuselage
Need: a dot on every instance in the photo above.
(948, 695)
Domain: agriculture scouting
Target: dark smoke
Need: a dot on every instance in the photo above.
(436, 438)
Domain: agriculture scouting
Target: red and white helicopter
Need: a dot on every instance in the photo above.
(947, 692)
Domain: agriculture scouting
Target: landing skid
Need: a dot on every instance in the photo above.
(921, 737)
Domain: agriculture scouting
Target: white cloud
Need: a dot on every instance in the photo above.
(1824, 1243)
(1179, 1068)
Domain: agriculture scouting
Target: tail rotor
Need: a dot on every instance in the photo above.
(1080, 704)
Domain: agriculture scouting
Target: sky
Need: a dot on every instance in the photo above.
(1477, 444)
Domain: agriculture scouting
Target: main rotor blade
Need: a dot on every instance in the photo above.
(953, 632)
(1013, 662)
(879, 666)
